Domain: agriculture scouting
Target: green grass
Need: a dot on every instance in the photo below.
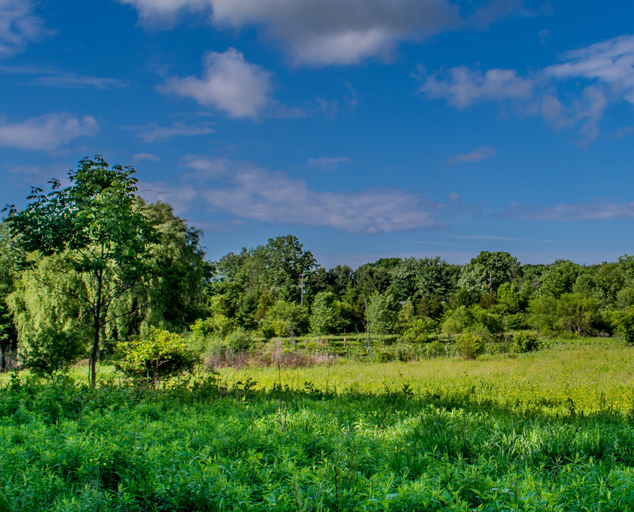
(551, 430)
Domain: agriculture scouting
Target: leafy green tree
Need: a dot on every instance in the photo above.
(52, 322)
(576, 314)
(382, 314)
(559, 278)
(323, 318)
(285, 319)
(97, 225)
(499, 266)
(474, 278)
(508, 298)
(543, 314)
(436, 278)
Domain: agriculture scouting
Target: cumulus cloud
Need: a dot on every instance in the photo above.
(325, 32)
(229, 83)
(137, 157)
(249, 192)
(571, 212)
(474, 156)
(461, 86)
(327, 163)
(153, 132)
(47, 132)
(18, 26)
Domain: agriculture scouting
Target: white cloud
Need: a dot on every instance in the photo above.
(247, 191)
(608, 66)
(137, 157)
(461, 86)
(571, 212)
(47, 132)
(328, 164)
(229, 83)
(474, 156)
(18, 26)
(610, 62)
(325, 32)
(153, 132)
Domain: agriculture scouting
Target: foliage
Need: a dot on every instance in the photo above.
(419, 330)
(160, 355)
(576, 314)
(285, 319)
(382, 314)
(625, 325)
(559, 278)
(101, 231)
(526, 341)
(470, 345)
(323, 318)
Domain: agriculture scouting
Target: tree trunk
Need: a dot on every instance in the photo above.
(97, 325)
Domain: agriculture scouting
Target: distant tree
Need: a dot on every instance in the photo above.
(559, 278)
(543, 314)
(323, 318)
(576, 314)
(382, 314)
(508, 298)
(285, 319)
(499, 266)
(97, 225)
(474, 278)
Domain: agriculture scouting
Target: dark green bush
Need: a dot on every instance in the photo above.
(526, 341)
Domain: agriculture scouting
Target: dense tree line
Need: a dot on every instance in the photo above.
(90, 265)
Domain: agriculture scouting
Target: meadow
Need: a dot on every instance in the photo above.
(544, 431)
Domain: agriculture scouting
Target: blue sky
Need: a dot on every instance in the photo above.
(368, 128)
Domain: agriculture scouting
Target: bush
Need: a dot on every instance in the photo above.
(50, 351)
(515, 322)
(470, 345)
(239, 340)
(162, 354)
(625, 325)
(526, 341)
(435, 349)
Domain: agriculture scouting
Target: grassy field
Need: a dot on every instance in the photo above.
(551, 430)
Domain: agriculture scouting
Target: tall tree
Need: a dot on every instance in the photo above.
(102, 232)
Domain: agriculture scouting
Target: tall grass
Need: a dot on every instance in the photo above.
(547, 431)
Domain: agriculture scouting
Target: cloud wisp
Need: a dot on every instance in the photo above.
(249, 192)
(327, 163)
(19, 26)
(331, 32)
(51, 77)
(476, 155)
(570, 212)
(229, 83)
(153, 132)
(47, 132)
(137, 157)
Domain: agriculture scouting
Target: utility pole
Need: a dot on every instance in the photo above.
(301, 293)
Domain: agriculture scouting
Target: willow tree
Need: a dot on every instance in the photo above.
(99, 229)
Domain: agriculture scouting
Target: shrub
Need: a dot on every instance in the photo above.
(515, 322)
(625, 325)
(526, 341)
(50, 351)
(162, 354)
(419, 331)
(470, 345)
(239, 340)
(435, 349)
